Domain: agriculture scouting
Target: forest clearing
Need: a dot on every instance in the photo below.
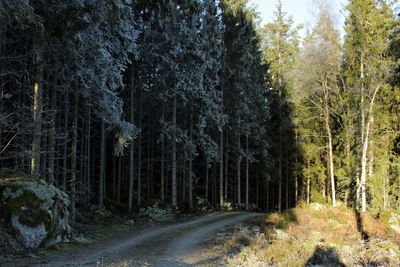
(137, 112)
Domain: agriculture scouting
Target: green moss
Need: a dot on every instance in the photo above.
(30, 199)
(285, 219)
(16, 175)
(312, 240)
(389, 246)
(17, 199)
(7, 258)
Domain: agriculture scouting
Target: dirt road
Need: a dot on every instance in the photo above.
(179, 244)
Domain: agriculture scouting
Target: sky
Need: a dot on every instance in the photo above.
(301, 10)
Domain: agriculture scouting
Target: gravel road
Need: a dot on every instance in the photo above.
(177, 244)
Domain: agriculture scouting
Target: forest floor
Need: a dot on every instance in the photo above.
(309, 235)
(314, 235)
(182, 243)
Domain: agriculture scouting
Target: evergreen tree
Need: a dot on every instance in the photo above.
(280, 43)
(368, 67)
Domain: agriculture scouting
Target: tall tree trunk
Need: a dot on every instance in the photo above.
(257, 190)
(206, 189)
(365, 142)
(148, 176)
(226, 167)
(221, 171)
(66, 138)
(280, 171)
(174, 195)
(114, 176)
(37, 113)
(74, 143)
(214, 187)
(162, 160)
(132, 144)
(267, 197)
(183, 180)
(330, 146)
(247, 171)
(139, 175)
(239, 159)
(348, 168)
(287, 180)
(191, 166)
(44, 130)
(363, 169)
(384, 176)
(52, 130)
(152, 161)
(102, 163)
(119, 180)
(296, 196)
(88, 151)
(308, 183)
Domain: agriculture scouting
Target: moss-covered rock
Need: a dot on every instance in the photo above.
(38, 212)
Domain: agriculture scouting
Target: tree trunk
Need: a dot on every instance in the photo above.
(257, 190)
(363, 179)
(296, 190)
(384, 176)
(148, 176)
(348, 168)
(330, 146)
(139, 175)
(65, 152)
(74, 143)
(280, 172)
(162, 160)
(221, 171)
(247, 171)
(119, 180)
(287, 180)
(52, 130)
(191, 166)
(114, 176)
(206, 189)
(37, 114)
(89, 187)
(308, 183)
(132, 144)
(239, 159)
(267, 197)
(226, 167)
(102, 163)
(174, 196)
(44, 130)
(183, 180)
(365, 142)
(214, 187)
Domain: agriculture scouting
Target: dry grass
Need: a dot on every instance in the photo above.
(327, 236)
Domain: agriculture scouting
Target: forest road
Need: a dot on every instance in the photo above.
(178, 244)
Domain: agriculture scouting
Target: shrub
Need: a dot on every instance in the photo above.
(156, 213)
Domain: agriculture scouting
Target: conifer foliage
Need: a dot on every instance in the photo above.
(131, 101)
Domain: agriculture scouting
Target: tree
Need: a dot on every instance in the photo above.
(368, 67)
(318, 72)
(280, 43)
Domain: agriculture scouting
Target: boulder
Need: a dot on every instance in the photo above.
(37, 212)
(394, 222)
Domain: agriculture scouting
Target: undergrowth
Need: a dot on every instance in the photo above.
(315, 235)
